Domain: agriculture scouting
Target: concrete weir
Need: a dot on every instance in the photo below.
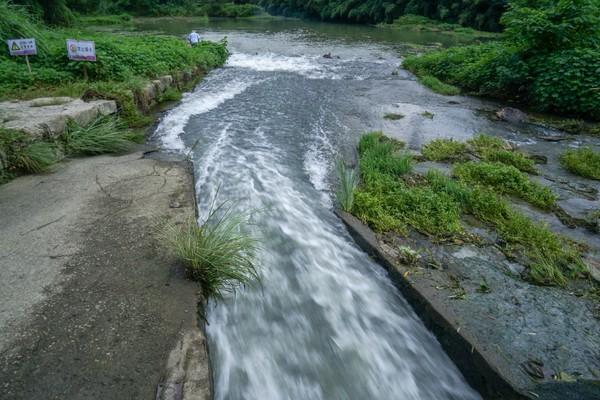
(471, 332)
(92, 306)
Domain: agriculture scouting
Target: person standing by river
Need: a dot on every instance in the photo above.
(193, 38)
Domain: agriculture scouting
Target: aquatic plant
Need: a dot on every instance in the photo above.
(217, 253)
(348, 180)
(583, 161)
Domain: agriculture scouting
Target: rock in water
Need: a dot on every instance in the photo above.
(511, 115)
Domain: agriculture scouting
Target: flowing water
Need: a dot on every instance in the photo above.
(266, 131)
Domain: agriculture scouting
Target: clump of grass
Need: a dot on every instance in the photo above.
(170, 94)
(218, 254)
(393, 116)
(488, 148)
(482, 143)
(381, 157)
(427, 114)
(104, 135)
(513, 158)
(550, 257)
(348, 181)
(583, 161)
(22, 154)
(445, 150)
(438, 86)
(505, 179)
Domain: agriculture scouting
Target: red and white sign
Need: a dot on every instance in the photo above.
(81, 50)
(22, 47)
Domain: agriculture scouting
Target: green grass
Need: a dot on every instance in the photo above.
(390, 198)
(120, 19)
(447, 150)
(487, 148)
(21, 154)
(551, 258)
(217, 254)
(438, 86)
(424, 24)
(583, 161)
(103, 135)
(171, 94)
(348, 181)
(505, 179)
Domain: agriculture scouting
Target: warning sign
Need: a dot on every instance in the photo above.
(80, 50)
(22, 47)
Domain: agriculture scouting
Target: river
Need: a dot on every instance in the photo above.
(265, 132)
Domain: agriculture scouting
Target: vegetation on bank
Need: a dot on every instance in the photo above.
(218, 253)
(478, 14)
(21, 154)
(438, 86)
(125, 63)
(423, 24)
(583, 161)
(548, 59)
(390, 197)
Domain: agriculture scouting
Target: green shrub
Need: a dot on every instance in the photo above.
(583, 161)
(438, 86)
(505, 179)
(448, 150)
(217, 254)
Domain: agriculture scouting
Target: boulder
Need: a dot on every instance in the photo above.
(48, 116)
(512, 115)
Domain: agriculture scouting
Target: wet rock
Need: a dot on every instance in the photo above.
(49, 115)
(552, 138)
(328, 56)
(512, 115)
(538, 158)
(534, 368)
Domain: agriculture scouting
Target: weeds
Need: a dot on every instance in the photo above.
(435, 207)
(348, 181)
(103, 135)
(438, 86)
(505, 179)
(393, 116)
(583, 161)
(445, 150)
(21, 154)
(217, 253)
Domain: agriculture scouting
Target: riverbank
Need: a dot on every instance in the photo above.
(92, 307)
(513, 302)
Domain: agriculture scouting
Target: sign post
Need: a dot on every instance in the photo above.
(22, 47)
(81, 50)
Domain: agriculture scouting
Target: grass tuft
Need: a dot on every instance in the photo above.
(104, 135)
(393, 116)
(583, 161)
(348, 181)
(445, 150)
(505, 179)
(218, 254)
(438, 86)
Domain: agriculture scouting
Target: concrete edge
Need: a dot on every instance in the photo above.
(470, 360)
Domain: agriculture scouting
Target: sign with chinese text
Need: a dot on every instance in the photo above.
(81, 50)
(22, 47)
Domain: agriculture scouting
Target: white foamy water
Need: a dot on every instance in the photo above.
(325, 322)
(199, 101)
(308, 66)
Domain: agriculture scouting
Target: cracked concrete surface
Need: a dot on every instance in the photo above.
(92, 307)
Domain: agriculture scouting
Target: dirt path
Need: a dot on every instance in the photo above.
(91, 307)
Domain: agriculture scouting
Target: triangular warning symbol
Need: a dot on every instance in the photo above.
(15, 46)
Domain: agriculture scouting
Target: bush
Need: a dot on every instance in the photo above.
(217, 253)
(583, 161)
(348, 181)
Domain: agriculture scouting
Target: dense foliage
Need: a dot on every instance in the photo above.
(549, 58)
(480, 14)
